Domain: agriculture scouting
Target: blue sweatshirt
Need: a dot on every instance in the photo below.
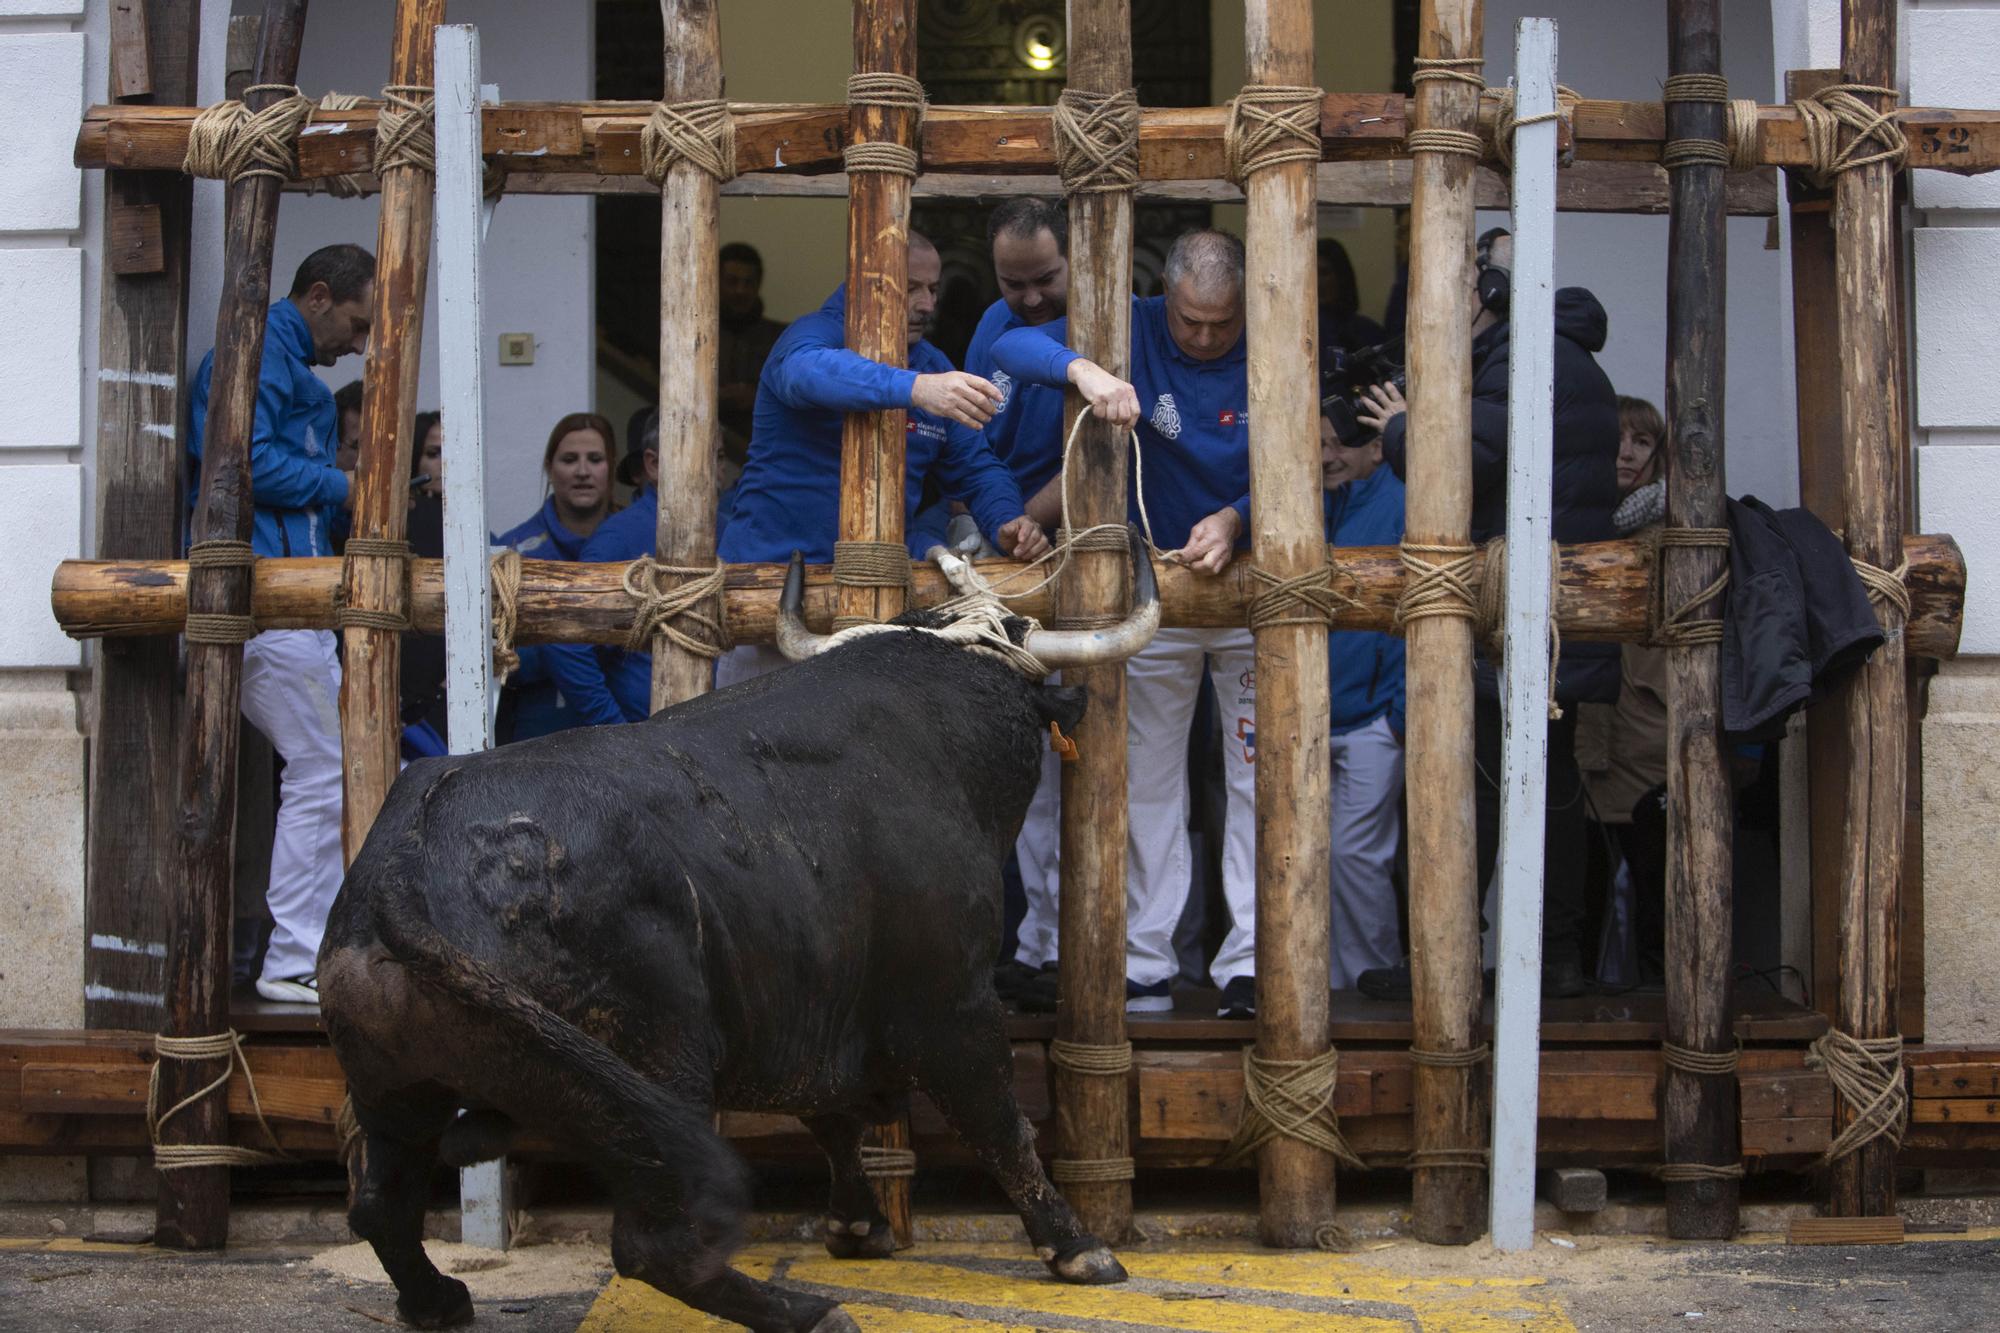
(1365, 667)
(1194, 427)
(534, 704)
(789, 495)
(293, 482)
(600, 683)
(1026, 433)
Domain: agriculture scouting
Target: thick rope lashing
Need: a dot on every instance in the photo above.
(1091, 1170)
(1303, 599)
(1680, 628)
(224, 1046)
(1465, 1059)
(347, 185)
(1490, 625)
(1103, 537)
(1886, 587)
(868, 565)
(1737, 150)
(1436, 588)
(1464, 1159)
(701, 133)
(506, 583)
(220, 626)
(1292, 1099)
(1691, 1061)
(1451, 69)
(663, 607)
(1673, 1172)
(406, 130)
(1874, 135)
(1505, 122)
(888, 1163)
(896, 92)
(1867, 1073)
(371, 548)
(230, 142)
(1454, 69)
(1105, 1061)
(1270, 125)
(980, 623)
(1097, 141)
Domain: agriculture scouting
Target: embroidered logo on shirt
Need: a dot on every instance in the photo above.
(1232, 417)
(929, 429)
(1167, 417)
(1005, 384)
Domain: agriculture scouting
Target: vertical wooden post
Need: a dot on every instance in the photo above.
(1295, 1180)
(1865, 249)
(193, 1208)
(370, 714)
(871, 443)
(1524, 685)
(1091, 1111)
(1700, 1117)
(141, 408)
(1450, 1100)
(690, 331)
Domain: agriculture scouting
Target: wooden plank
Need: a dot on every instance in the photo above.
(1784, 1095)
(1955, 1110)
(1955, 1079)
(134, 239)
(1845, 1231)
(1802, 1136)
(61, 1089)
(131, 50)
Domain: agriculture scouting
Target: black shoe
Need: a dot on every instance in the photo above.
(1562, 978)
(1386, 983)
(1011, 980)
(1040, 993)
(1239, 999)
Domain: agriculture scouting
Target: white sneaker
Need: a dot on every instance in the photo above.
(297, 990)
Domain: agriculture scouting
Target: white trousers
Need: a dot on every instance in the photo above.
(1039, 851)
(1367, 780)
(291, 693)
(1161, 685)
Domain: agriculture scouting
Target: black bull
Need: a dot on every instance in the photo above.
(782, 897)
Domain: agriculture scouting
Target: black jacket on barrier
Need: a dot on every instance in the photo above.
(1585, 465)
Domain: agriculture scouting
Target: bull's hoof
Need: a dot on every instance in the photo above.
(859, 1239)
(835, 1320)
(1093, 1267)
(448, 1305)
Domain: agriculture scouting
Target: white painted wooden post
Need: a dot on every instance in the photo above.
(482, 1191)
(1525, 673)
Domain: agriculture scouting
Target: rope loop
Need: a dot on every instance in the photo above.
(888, 1163)
(1674, 1172)
(664, 605)
(1505, 122)
(871, 565)
(406, 130)
(1293, 1099)
(1090, 1170)
(506, 582)
(1886, 587)
(1464, 1159)
(1691, 1061)
(1681, 628)
(222, 627)
(1454, 69)
(371, 548)
(1440, 588)
(1695, 88)
(221, 555)
(225, 1046)
(1873, 136)
(1269, 125)
(230, 142)
(896, 92)
(1867, 1073)
(701, 133)
(1097, 140)
(1466, 1059)
(1083, 1058)
(1303, 599)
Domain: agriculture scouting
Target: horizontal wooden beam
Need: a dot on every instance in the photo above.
(601, 139)
(1607, 590)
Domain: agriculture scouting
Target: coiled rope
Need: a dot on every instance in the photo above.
(230, 142)
(226, 1046)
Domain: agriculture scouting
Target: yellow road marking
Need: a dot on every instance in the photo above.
(71, 1245)
(626, 1304)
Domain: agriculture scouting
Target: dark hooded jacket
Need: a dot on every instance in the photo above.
(1585, 472)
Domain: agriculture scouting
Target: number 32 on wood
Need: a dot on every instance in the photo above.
(1945, 139)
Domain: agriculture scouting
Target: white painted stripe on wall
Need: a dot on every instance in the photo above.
(114, 944)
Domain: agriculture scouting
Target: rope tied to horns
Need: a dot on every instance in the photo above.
(1097, 140)
(1505, 122)
(406, 129)
(888, 1163)
(1451, 69)
(220, 626)
(1493, 607)
(896, 92)
(663, 605)
(1271, 124)
(371, 548)
(225, 1046)
(1874, 135)
(1681, 629)
(1737, 151)
(230, 142)
(1886, 587)
(506, 580)
(1867, 1073)
(701, 133)
(1292, 1098)
(1080, 1057)
(1436, 588)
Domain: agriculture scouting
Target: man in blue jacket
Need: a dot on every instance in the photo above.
(1364, 507)
(1189, 382)
(291, 678)
(788, 498)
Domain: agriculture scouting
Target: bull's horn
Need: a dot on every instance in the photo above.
(1094, 647)
(795, 641)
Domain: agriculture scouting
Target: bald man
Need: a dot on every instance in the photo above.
(789, 497)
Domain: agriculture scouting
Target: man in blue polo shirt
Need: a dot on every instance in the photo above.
(789, 496)
(1189, 398)
(291, 677)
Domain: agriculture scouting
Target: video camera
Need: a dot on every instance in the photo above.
(1344, 375)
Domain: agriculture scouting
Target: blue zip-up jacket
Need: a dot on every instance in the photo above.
(1026, 433)
(1365, 667)
(293, 481)
(1194, 418)
(603, 684)
(789, 496)
(537, 706)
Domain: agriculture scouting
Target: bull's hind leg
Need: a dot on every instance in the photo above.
(970, 1075)
(855, 1227)
(389, 1180)
(650, 1245)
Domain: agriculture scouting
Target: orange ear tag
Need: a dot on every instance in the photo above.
(1061, 744)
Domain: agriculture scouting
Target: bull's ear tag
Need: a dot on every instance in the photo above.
(1061, 744)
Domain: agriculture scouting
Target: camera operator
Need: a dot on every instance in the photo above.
(1585, 484)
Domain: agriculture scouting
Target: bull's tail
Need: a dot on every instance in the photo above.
(587, 1093)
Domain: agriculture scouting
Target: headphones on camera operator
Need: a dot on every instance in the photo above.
(1496, 284)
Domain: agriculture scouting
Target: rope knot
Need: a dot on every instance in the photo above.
(1097, 140)
(1886, 587)
(663, 604)
(1441, 588)
(1292, 1098)
(347, 615)
(230, 142)
(895, 92)
(1867, 1073)
(701, 133)
(1681, 628)
(506, 569)
(227, 1047)
(1872, 136)
(1303, 599)
(1269, 125)
(888, 1163)
(1505, 122)
(406, 130)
